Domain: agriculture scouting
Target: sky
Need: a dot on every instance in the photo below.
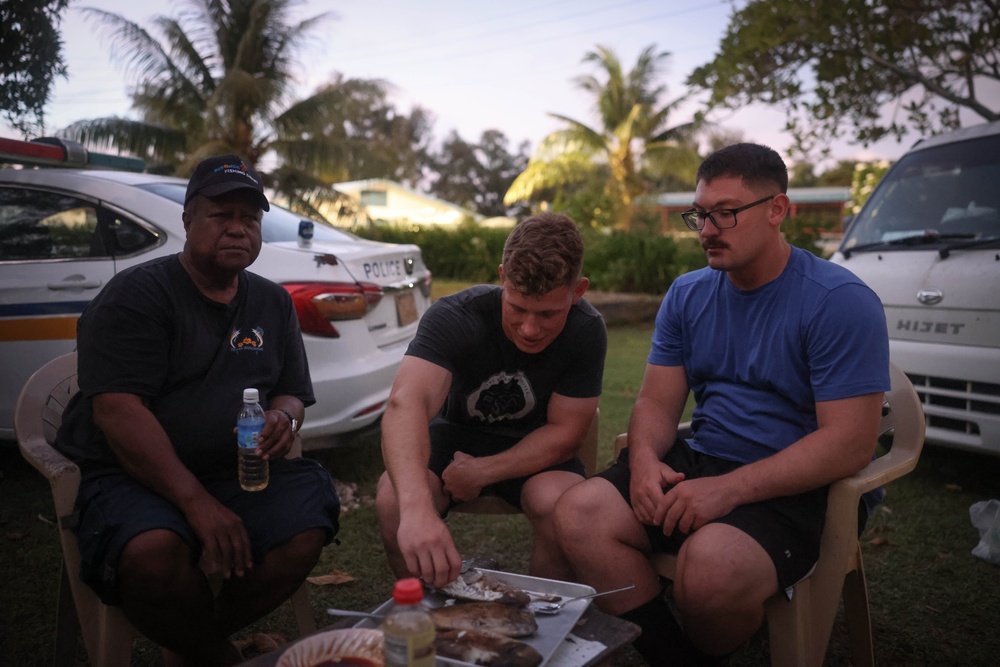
(475, 65)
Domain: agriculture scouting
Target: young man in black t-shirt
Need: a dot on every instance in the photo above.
(495, 395)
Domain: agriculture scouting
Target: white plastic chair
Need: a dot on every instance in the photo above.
(107, 634)
(799, 629)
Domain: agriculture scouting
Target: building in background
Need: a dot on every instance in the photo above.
(388, 202)
(828, 204)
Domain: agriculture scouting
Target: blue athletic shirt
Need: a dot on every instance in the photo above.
(758, 361)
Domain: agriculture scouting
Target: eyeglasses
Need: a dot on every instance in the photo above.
(723, 218)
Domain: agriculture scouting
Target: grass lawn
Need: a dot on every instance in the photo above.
(932, 602)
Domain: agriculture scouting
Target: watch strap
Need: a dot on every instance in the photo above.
(293, 420)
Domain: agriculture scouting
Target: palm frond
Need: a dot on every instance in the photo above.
(131, 46)
(199, 73)
(539, 176)
(153, 143)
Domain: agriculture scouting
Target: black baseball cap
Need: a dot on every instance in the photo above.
(218, 175)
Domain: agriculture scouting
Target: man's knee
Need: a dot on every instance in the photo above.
(155, 560)
(715, 576)
(576, 510)
(541, 492)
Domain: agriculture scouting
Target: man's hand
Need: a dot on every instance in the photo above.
(463, 479)
(277, 436)
(224, 540)
(691, 504)
(646, 489)
(428, 549)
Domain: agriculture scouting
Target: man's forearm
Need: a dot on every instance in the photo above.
(144, 450)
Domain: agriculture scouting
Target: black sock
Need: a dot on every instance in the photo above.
(663, 642)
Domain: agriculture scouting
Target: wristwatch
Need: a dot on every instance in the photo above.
(293, 420)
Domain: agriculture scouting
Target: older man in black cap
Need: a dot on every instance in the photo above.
(161, 372)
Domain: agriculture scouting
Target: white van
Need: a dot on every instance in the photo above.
(928, 242)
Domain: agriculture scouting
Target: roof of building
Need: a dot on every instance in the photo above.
(355, 188)
(826, 195)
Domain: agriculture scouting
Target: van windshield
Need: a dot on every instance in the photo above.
(943, 195)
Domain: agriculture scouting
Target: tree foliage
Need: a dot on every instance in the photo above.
(216, 78)
(31, 57)
(633, 135)
(478, 175)
(865, 68)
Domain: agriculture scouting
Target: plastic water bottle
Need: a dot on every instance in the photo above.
(253, 469)
(408, 629)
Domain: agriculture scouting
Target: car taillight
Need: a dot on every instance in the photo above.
(425, 285)
(318, 305)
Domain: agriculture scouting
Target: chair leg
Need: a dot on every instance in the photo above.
(67, 623)
(858, 616)
(303, 611)
(788, 628)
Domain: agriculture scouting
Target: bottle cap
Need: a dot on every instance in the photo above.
(408, 591)
(251, 396)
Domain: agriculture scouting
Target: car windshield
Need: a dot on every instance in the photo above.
(279, 224)
(940, 195)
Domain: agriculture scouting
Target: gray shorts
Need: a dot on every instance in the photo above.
(448, 438)
(788, 528)
(113, 508)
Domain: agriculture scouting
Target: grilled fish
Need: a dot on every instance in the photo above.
(477, 586)
(485, 648)
(495, 617)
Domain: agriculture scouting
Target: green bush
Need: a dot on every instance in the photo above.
(642, 261)
(639, 262)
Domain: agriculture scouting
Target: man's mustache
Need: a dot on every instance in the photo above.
(714, 245)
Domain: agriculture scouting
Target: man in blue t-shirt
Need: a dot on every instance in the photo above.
(494, 397)
(787, 357)
(164, 353)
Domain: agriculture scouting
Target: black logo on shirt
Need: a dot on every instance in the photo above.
(503, 396)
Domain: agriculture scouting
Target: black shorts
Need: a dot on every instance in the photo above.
(788, 528)
(113, 508)
(448, 438)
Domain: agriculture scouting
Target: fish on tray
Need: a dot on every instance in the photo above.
(502, 619)
(477, 586)
(485, 648)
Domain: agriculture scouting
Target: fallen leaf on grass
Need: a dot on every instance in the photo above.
(881, 528)
(885, 509)
(45, 520)
(335, 577)
(13, 535)
(879, 541)
(261, 642)
(944, 556)
(953, 487)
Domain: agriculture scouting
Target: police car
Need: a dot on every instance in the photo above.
(64, 232)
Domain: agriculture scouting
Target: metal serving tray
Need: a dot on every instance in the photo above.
(551, 629)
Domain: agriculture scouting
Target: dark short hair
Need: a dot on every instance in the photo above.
(542, 253)
(758, 166)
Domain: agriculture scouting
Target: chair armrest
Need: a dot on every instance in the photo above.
(63, 474)
(880, 471)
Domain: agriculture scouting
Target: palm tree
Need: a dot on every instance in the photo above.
(218, 81)
(633, 137)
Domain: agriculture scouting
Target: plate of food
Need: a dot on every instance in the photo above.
(483, 619)
(349, 647)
